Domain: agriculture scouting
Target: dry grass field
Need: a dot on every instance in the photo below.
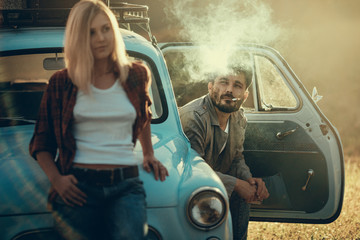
(347, 226)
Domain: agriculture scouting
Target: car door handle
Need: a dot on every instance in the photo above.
(310, 174)
(281, 135)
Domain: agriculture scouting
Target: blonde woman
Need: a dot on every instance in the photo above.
(90, 117)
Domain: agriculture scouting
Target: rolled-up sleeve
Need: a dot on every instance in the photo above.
(228, 181)
(240, 169)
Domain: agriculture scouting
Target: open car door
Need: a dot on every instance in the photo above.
(289, 142)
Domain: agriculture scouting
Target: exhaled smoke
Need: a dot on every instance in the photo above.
(227, 22)
(219, 26)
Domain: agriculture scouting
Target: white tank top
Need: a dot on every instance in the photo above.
(102, 127)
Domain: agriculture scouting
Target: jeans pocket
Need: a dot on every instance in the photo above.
(136, 186)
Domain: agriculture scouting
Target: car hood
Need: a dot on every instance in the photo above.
(172, 152)
(26, 186)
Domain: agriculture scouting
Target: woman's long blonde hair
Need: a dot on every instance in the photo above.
(78, 55)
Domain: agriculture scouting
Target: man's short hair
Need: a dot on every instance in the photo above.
(247, 71)
(233, 70)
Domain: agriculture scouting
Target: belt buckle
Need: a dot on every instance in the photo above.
(117, 175)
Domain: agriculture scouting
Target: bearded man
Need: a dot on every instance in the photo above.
(215, 125)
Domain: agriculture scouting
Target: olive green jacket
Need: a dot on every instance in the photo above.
(201, 126)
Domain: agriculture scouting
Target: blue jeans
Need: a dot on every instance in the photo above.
(240, 211)
(111, 212)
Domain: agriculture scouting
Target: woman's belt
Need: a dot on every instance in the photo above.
(101, 177)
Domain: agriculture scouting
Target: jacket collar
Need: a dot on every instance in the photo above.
(211, 109)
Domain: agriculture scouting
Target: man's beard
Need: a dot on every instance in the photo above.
(225, 107)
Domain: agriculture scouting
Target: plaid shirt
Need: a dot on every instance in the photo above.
(53, 128)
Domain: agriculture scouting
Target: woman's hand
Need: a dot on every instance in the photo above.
(66, 187)
(150, 162)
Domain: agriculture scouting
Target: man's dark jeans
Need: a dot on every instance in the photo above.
(240, 211)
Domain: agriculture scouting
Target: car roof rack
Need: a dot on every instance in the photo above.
(128, 16)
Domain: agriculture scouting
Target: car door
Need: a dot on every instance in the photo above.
(289, 142)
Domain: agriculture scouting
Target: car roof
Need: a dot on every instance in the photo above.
(49, 37)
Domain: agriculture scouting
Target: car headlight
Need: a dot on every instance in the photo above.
(207, 208)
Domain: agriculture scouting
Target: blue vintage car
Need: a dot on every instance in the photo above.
(289, 141)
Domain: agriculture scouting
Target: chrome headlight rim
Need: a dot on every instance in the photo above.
(219, 195)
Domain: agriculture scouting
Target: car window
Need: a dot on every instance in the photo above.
(24, 78)
(22, 82)
(183, 69)
(274, 91)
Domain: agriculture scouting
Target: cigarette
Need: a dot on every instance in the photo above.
(235, 99)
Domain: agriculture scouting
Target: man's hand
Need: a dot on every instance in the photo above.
(150, 162)
(66, 187)
(261, 190)
(245, 190)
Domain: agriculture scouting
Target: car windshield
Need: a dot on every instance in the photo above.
(24, 78)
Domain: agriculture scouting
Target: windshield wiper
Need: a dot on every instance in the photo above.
(18, 119)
